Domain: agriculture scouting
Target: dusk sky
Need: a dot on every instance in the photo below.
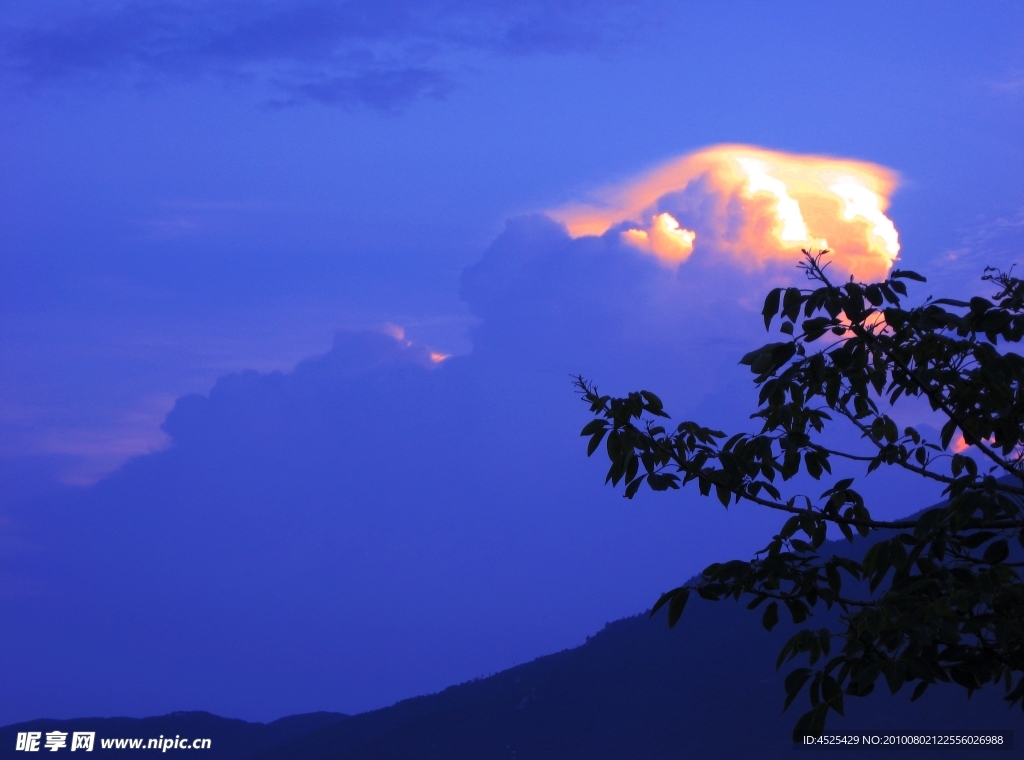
(291, 294)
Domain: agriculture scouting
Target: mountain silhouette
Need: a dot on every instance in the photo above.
(638, 690)
(706, 689)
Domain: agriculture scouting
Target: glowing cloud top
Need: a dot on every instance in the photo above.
(755, 204)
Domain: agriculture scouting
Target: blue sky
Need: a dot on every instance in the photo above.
(190, 190)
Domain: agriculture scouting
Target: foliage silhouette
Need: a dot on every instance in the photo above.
(935, 598)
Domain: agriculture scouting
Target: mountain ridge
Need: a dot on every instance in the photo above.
(634, 689)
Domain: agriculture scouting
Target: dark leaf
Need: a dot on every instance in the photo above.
(906, 274)
(996, 552)
(791, 303)
(676, 605)
(947, 433)
(771, 306)
(633, 486)
(811, 723)
(794, 682)
(664, 599)
(797, 609)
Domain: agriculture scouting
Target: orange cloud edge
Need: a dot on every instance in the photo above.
(756, 206)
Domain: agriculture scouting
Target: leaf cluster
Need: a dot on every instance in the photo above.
(931, 599)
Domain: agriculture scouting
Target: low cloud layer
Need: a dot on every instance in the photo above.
(378, 54)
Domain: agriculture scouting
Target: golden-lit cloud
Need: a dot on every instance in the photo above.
(664, 238)
(755, 204)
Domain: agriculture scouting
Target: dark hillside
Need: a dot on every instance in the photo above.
(636, 690)
(707, 689)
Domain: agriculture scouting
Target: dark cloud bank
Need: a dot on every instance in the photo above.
(379, 53)
(373, 525)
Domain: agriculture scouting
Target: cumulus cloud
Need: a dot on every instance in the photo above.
(378, 522)
(600, 306)
(383, 521)
(378, 53)
(755, 205)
